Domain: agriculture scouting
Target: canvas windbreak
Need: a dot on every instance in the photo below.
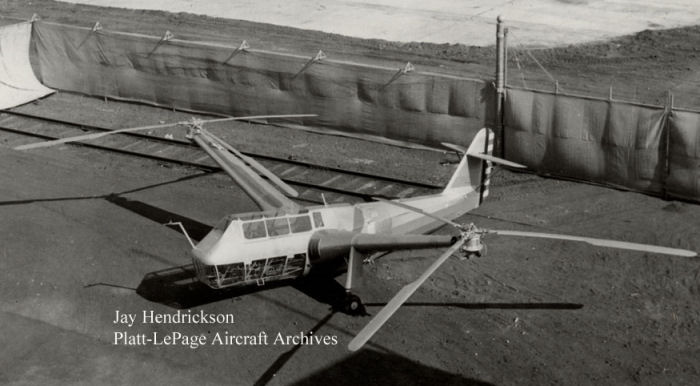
(643, 148)
(595, 140)
(18, 85)
(684, 155)
(653, 149)
(352, 98)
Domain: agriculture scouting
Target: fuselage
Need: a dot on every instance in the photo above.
(266, 246)
(256, 248)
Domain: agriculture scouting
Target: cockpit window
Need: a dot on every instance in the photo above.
(318, 220)
(278, 226)
(254, 229)
(300, 223)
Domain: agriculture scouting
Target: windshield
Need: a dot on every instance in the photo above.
(277, 226)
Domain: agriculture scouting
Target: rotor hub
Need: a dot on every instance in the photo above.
(472, 246)
(195, 127)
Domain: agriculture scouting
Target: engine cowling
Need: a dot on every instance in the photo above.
(328, 246)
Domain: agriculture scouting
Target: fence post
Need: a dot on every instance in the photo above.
(668, 110)
(505, 57)
(499, 141)
(500, 83)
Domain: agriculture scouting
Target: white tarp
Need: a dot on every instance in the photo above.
(18, 84)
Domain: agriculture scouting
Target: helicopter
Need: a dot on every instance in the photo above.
(286, 240)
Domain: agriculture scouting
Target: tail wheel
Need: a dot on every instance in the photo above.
(353, 305)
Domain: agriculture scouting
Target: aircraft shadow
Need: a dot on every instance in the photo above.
(487, 306)
(381, 368)
(279, 363)
(195, 229)
(384, 369)
(179, 288)
(102, 196)
(323, 289)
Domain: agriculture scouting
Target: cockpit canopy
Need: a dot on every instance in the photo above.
(224, 261)
(270, 224)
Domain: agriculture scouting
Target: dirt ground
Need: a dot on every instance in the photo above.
(544, 22)
(82, 238)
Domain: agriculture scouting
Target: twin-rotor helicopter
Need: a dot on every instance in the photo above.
(286, 240)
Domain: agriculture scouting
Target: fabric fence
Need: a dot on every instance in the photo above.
(649, 149)
(644, 148)
(348, 97)
(684, 155)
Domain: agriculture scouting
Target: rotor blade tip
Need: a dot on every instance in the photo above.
(29, 146)
(354, 346)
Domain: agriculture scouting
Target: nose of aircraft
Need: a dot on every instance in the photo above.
(207, 249)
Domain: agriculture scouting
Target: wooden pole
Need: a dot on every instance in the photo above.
(500, 82)
(500, 96)
(505, 57)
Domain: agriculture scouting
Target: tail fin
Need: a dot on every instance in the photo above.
(472, 171)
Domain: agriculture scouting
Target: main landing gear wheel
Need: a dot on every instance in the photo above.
(352, 305)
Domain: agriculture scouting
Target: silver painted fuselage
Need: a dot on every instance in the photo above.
(231, 254)
(266, 246)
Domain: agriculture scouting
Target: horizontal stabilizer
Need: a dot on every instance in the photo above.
(483, 156)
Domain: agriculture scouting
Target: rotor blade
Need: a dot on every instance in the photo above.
(501, 161)
(255, 165)
(385, 313)
(421, 211)
(457, 148)
(87, 137)
(254, 117)
(601, 242)
(260, 190)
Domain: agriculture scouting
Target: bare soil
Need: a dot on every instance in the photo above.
(82, 238)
